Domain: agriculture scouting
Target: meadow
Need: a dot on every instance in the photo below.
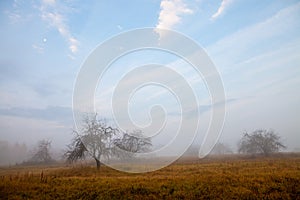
(226, 177)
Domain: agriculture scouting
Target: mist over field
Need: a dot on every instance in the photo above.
(150, 99)
(254, 48)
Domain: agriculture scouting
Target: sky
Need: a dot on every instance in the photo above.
(254, 45)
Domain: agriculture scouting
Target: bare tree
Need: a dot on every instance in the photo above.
(42, 152)
(94, 139)
(98, 140)
(260, 142)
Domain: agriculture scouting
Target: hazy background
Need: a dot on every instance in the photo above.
(255, 45)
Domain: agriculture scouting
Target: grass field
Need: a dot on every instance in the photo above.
(210, 178)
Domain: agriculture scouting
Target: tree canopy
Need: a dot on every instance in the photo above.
(42, 153)
(99, 140)
(260, 142)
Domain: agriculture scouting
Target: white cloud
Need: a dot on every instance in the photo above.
(73, 44)
(49, 2)
(50, 13)
(171, 13)
(224, 5)
(261, 59)
(244, 43)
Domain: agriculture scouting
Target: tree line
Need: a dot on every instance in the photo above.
(98, 140)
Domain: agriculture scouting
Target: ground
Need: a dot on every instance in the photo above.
(227, 177)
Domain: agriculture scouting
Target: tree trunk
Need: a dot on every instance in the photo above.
(98, 163)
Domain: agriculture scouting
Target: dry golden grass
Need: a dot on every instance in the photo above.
(188, 178)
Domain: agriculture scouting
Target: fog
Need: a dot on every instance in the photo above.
(45, 44)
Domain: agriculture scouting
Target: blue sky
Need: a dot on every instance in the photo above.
(255, 45)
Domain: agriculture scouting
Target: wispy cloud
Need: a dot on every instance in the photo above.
(14, 16)
(38, 48)
(171, 13)
(257, 34)
(50, 113)
(51, 13)
(224, 5)
(17, 14)
(262, 59)
(49, 2)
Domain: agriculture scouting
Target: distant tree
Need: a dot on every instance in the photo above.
(99, 140)
(220, 149)
(42, 152)
(260, 142)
